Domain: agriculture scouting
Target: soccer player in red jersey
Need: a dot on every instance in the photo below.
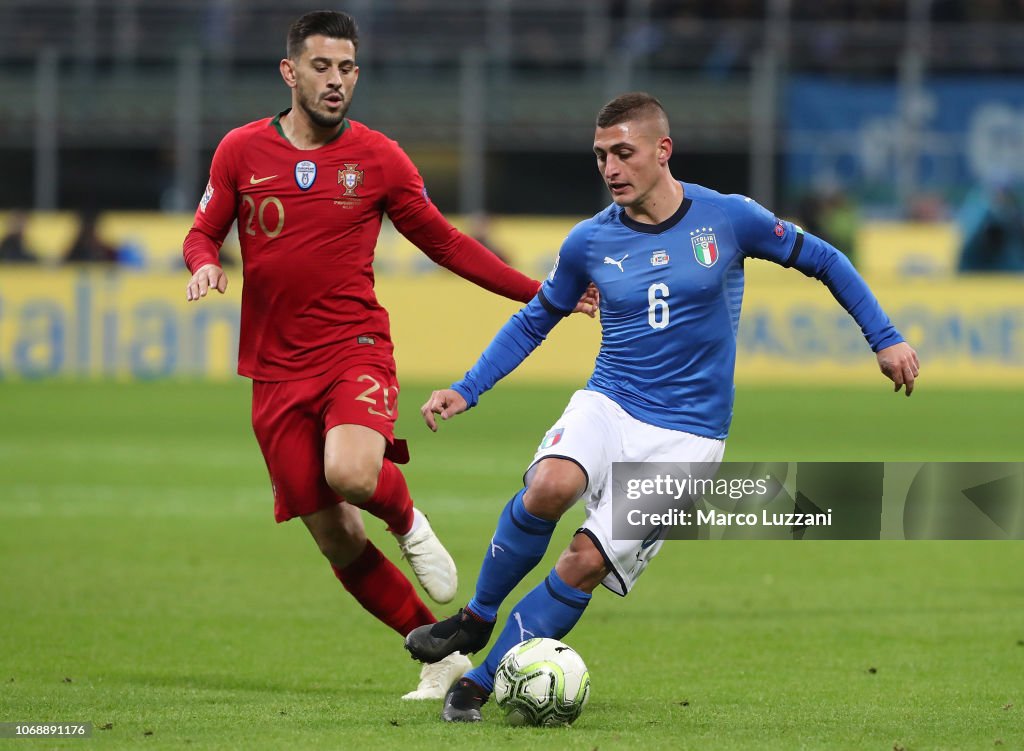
(309, 189)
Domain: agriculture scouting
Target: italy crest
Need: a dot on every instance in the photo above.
(552, 437)
(705, 246)
(351, 178)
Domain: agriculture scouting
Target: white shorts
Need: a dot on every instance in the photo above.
(594, 432)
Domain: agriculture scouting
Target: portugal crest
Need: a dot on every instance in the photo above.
(705, 246)
(351, 178)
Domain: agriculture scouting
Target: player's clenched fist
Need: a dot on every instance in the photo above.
(590, 303)
(446, 402)
(207, 277)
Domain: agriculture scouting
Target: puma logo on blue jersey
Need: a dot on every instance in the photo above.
(618, 263)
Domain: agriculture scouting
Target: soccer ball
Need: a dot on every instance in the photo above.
(541, 682)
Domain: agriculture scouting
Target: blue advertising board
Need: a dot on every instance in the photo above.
(854, 133)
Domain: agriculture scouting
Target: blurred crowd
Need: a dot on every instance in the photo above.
(942, 11)
(248, 31)
(88, 245)
(990, 222)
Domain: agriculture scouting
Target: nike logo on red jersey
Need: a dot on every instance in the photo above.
(253, 180)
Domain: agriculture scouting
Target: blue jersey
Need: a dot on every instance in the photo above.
(670, 305)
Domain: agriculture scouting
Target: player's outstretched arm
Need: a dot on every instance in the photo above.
(899, 363)
(520, 336)
(446, 402)
(207, 277)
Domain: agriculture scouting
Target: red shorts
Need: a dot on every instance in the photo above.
(291, 418)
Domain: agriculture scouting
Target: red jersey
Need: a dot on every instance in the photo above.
(308, 222)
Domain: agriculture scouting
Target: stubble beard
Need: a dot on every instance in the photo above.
(319, 118)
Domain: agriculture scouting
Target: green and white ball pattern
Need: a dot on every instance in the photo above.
(541, 682)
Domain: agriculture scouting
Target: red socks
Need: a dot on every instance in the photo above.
(383, 590)
(371, 578)
(391, 501)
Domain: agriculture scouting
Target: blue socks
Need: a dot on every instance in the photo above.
(519, 543)
(550, 609)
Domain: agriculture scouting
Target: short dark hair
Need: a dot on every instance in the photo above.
(631, 106)
(329, 23)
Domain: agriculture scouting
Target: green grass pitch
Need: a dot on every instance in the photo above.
(145, 588)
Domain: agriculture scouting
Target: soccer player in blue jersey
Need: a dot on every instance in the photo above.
(667, 258)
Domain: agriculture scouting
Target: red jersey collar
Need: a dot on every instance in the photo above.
(276, 122)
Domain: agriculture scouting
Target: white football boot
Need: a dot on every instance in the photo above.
(437, 678)
(431, 563)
